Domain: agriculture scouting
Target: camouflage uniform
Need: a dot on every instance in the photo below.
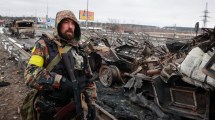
(36, 73)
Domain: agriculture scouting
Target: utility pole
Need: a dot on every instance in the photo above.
(174, 35)
(47, 17)
(87, 16)
(205, 16)
(47, 9)
(35, 20)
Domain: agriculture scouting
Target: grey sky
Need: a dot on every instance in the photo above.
(148, 12)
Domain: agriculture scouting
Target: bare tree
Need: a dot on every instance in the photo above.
(113, 24)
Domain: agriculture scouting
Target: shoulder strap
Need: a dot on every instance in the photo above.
(57, 58)
(49, 36)
(61, 50)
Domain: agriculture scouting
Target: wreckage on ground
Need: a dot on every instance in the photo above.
(22, 28)
(172, 82)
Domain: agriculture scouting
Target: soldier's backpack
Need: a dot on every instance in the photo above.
(27, 110)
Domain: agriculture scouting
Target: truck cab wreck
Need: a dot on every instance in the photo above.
(22, 28)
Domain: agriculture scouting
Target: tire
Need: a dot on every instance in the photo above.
(106, 76)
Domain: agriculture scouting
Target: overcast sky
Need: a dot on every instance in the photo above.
(147, 12)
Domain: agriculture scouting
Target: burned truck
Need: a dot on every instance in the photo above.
(114, 62)
(155, 81)
(22, 28)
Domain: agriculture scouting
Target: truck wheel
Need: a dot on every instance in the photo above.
(106, 76)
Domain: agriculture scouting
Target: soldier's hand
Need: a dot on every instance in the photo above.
(65, 92)
(66, 87)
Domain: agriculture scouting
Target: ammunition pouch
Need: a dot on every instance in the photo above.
(27, 110)
(45, 108)
(44, 105)
(56, 96)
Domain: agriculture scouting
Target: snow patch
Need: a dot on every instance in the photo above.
(1, 30)
(12, 40)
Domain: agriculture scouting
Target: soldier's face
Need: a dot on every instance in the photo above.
(67, 29)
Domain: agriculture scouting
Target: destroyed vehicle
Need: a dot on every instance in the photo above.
(113, 64)
(180, 91)
(22, 28)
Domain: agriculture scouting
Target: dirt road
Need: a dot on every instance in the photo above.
(11, 96)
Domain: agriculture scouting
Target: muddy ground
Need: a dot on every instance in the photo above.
(12, 95)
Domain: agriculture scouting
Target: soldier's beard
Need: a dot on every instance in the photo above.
(68, 35)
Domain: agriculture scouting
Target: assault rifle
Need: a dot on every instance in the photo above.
(76, 105)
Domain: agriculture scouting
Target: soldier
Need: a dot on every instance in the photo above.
(46, 71)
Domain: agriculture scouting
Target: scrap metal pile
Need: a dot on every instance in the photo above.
(141, 81)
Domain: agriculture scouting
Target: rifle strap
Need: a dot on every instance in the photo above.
(57, 58)
(61, 50)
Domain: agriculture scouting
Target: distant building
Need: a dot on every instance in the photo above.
(43, 22)
(92, 28)
(2, 22)
(180, 29)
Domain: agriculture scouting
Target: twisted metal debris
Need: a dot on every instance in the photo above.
(152, 75)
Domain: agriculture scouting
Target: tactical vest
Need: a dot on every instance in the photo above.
(60, 68)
